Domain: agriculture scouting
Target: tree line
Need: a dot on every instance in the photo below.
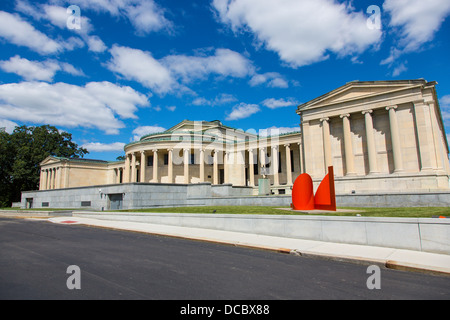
(23, 150)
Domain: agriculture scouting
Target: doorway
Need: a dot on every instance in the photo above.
(115, 201)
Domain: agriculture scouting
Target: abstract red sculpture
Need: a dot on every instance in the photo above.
(303, 197)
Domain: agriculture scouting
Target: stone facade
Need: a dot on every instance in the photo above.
(379, 136)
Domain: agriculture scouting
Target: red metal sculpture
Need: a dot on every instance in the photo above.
(303, 197)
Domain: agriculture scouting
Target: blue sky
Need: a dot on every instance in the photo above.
(124, 68)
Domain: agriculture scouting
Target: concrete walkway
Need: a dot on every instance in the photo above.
(389, 257)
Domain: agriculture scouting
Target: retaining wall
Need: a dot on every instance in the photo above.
(420, 234)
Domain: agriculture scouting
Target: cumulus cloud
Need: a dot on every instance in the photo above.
(293, 30)
(58, 16)
(144, 130)
(104, 147)
(416, 21)
(140, 66)
(271, 79)
(37, 70)
(95, 105)
(243, 110)
(223, 62)
(221, 99)
(279, 103)
(9, 126)
(145, 15)
(19, 32)
(275, 131)
(168, 73)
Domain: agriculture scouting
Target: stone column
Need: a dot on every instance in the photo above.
(57, 178)
(215, 168)
(186, 155)
(126, 175)
(202, 165)
(225, 166)
(50, 179)
(41, 180)
(276, 177)
(371, 150)
(133, 167)
(288, 164)
(155, 165)
(395, 137)
(300, 158)
(326, 142)
(251, 168)
(170, 165)
(424, 129)
(348, 146)
(142, 167)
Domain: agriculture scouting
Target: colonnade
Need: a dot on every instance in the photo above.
(50, 179)
(225, 158)
(370, 141)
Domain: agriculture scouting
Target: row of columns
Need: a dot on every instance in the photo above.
(50, 179)
(130, 170)
(370, 139)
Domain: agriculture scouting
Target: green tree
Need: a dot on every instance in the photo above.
(23, 150)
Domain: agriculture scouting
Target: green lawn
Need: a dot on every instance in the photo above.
(423, 212)
(415, 212)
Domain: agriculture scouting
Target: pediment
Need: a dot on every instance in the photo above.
(358, 90)
(49, 160)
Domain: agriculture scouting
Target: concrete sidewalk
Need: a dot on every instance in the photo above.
(389, 257)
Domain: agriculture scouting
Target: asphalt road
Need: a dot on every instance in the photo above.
(113, 264)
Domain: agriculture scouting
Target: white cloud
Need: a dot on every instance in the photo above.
(243, 110)
(271, 79)
(417, 21)
(103, 147)
(221, 99)
(8, 125)
(19, 32)
(58, 16)
(36, 70)
(144, 130)
(145, 15)
(94, 105)
(95, 44)
(444, 103)
(224, 62)
(279, 103)
(275, 131)
(301, 32)
(164, 75)
(399, 69)
(140, 66)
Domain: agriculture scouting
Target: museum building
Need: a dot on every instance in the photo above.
(379, 136)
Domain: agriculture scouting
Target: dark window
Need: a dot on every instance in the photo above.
(292, 161)
(150, 161)
(166, 159)
(85, 203)
(45, 204)
(279, 162)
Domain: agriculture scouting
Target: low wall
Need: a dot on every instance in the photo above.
(420, 234)
(146, 195)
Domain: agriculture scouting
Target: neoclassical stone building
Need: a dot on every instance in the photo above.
(379, 136)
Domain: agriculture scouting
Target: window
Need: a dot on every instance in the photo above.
(85, 203)
(292, 161)
(149, 161)
(45, 204)
(166, 159)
